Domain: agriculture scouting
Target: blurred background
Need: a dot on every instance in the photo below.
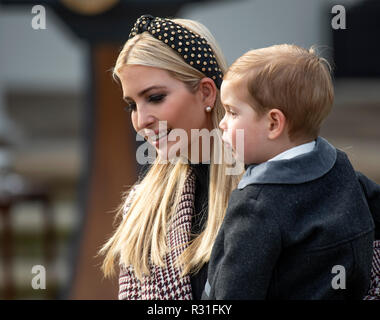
(67, 147)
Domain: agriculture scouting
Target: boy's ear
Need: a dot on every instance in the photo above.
(207, 89)
(276, 123)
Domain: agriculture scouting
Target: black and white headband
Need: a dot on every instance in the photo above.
(190, 46)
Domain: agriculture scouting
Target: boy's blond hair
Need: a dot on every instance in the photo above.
(292, 79)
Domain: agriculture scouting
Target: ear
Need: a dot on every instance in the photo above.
(276, 122)
(207, 90)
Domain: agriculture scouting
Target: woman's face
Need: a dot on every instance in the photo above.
(153, 96)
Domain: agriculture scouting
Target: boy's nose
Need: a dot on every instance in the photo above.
(222, 124)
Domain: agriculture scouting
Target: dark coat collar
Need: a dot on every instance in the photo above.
(303, 168)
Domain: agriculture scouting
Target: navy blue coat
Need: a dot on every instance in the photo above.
(288, 224)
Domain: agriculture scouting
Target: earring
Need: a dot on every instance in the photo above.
(208, 109)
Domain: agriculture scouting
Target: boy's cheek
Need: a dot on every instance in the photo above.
(239, 144)
(238, 153)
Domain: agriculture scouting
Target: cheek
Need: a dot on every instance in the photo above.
(243, 135)
(134, 120)
(187, 116)
(172, 111)
(234, 125)
(229, 130)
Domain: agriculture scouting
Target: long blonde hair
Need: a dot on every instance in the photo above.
(140, 238)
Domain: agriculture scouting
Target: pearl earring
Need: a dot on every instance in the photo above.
(208, 109)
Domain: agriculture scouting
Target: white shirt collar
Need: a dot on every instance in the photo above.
(295, 151)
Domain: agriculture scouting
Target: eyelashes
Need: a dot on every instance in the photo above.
(231, 113)
(154, 98)
(130, 107)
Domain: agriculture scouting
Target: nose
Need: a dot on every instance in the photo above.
(222, 123)
(144, 118)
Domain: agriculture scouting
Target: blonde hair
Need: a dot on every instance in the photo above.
(140, 238)
(290, 78)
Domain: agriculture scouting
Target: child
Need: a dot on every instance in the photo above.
(298, 226)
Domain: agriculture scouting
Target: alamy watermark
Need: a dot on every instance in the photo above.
(198, 153)
(39, 19)
(339, 280)
(39, 280)
(339, 20)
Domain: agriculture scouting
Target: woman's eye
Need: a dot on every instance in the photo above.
(155, 98)
(130, 107)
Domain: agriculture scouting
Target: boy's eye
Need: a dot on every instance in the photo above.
(233, 114)
(155, 98)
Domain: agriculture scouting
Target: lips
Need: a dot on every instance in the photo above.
(158, 136)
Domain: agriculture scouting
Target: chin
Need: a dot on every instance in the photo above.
(239, 158)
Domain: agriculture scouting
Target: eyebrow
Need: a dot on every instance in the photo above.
(144, 91)
(227, 106)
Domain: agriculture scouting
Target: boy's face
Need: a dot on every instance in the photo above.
(240, 115)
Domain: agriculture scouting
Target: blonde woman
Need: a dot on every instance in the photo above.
(170, 72)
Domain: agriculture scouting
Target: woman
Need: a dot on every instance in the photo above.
(170, 70)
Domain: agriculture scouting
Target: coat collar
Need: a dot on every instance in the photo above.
(303, 168)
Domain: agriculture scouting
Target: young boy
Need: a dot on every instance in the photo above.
(298, 226)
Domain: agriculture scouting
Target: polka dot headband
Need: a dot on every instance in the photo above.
(190, 46)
